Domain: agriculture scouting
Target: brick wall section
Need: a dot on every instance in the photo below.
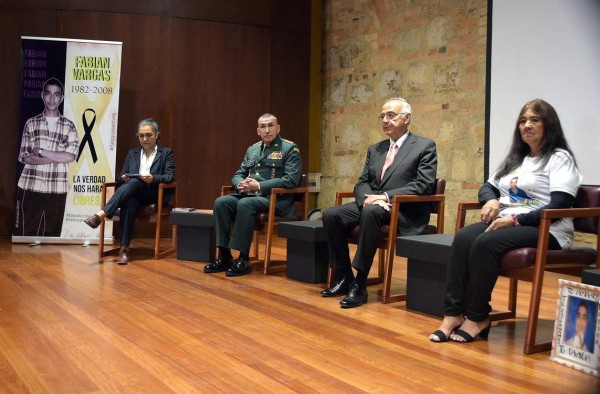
(430, 52)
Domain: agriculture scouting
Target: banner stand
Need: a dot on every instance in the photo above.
(68, 133)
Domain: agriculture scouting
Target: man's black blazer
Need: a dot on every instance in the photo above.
(413, 172)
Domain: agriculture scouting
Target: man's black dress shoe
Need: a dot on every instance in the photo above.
(339, 288)
(221, 264)
(239, 267)
(356, 297)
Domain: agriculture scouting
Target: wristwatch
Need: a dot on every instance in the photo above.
(41, 153)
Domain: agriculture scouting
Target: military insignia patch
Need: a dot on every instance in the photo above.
(276, 155)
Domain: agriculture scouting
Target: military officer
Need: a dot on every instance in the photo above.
(271, 162)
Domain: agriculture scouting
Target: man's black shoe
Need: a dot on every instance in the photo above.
(356, 297)
(239, 267)
(221, 264)
(339, 288)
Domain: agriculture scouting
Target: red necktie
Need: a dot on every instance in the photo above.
(389, 159)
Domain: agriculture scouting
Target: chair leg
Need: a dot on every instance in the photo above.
(530, 346)
(157, 237)
(386, 296)
(267, 252)
(101, 241)
(255, 246)
(174, 237)
(102, 252)
(267, 268)
(330, 276)
(158, 254)
(512, 296)
(380, 268)
(387, 282)
(511, 313)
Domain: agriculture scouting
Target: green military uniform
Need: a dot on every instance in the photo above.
(278, 165)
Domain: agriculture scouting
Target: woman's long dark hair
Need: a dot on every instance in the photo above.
(554, 138)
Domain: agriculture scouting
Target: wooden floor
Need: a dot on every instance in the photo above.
(70, 324)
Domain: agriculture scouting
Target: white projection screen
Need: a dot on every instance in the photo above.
(548, 49)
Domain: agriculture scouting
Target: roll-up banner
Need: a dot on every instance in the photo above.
(67, 137)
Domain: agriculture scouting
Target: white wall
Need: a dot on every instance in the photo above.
(548, 49)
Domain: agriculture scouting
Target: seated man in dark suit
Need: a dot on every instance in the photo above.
(402, 164)
(152, 164)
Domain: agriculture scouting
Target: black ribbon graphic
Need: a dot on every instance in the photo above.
(87, 138)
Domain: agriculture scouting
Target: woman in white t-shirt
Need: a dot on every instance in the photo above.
(542, 168)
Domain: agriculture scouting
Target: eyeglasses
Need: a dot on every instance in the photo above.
(389, 115)
(146, 135)
(271, 126)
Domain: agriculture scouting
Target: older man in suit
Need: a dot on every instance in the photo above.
(145, 167)
(402, 164)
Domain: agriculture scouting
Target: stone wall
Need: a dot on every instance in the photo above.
(432, 53)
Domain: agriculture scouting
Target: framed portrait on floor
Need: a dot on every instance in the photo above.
(576, 339)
